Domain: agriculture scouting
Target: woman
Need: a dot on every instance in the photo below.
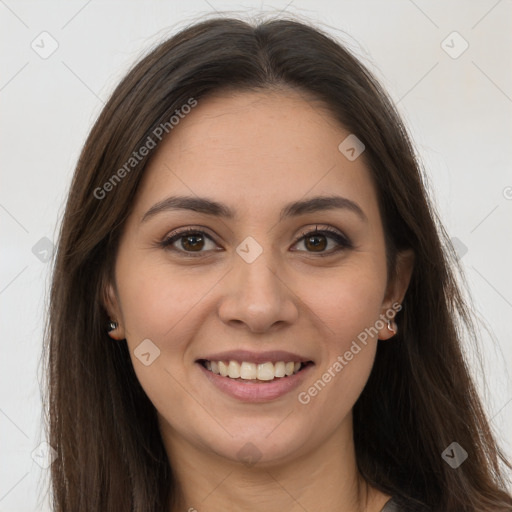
(252, 307)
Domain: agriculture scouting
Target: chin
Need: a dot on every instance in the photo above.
(266, 444)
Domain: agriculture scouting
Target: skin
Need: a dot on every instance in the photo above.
(256, 152)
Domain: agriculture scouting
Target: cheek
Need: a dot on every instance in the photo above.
(157, 302)
(168, 308)
(346, 302)
(347, 308)
(159, 306)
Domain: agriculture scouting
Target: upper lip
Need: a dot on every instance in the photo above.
(255, 357)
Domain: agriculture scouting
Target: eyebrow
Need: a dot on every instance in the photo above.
(211, 207)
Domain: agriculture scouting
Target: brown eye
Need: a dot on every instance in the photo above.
(316, 242)
(189, 242)
(194, 242)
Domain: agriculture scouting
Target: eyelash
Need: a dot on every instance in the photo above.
(342, 240)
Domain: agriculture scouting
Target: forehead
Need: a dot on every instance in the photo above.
(253, 150)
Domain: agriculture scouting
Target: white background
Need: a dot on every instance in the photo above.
(459, 112)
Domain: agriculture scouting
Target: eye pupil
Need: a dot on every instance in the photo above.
(190, 242)
(315, 243)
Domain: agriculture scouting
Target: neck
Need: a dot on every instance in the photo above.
(324, 479)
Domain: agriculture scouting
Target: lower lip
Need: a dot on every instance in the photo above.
(248, 391)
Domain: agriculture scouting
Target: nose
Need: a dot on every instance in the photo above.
(255, 297)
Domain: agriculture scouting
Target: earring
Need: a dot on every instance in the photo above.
(112, 326)
(391, 326)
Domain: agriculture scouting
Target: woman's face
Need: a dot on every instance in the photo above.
(256, 286)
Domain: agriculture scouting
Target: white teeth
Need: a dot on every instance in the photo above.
(223, 368)
(279, 369)
(233, 370)
(251, 371)
(248, 371)
(266, 371)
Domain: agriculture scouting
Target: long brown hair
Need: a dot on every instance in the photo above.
(419, 397)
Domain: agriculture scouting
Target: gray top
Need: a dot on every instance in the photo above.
(391, 506)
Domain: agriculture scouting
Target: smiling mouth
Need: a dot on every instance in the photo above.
(252, 372)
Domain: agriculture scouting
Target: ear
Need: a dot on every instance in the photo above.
(111, 304)
(395, 292)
